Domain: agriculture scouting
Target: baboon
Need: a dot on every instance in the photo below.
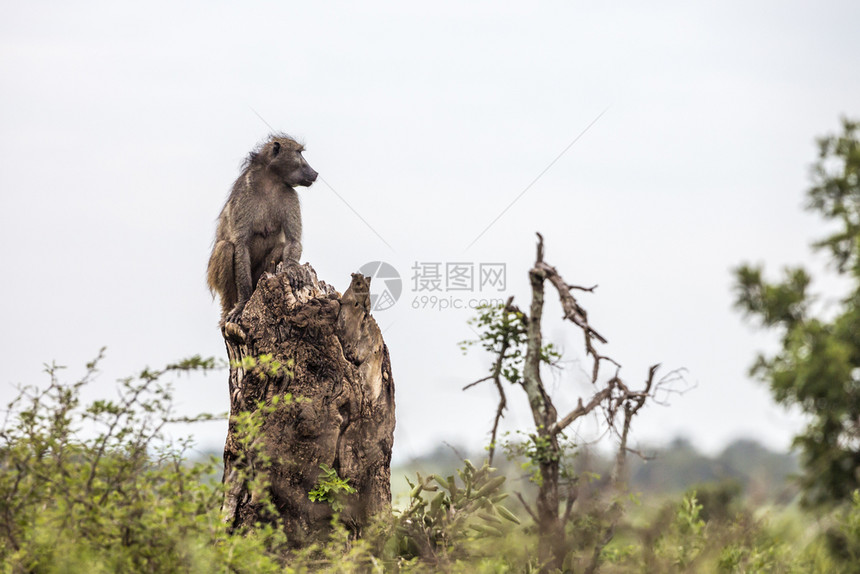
(260, 224)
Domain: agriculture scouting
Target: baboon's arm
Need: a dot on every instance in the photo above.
(242, 269)
(292, 251)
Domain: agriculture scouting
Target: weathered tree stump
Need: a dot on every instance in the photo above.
(344, 419)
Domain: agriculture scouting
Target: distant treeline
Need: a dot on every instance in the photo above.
(759, 473)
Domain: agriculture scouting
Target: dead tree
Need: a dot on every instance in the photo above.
(612, 398)
(331, 402)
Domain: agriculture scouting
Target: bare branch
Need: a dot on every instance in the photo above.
(503, 403)
(454, 450)
(539, 257)
(572, 495)
(572, 310)
(598, 548)
(672, 383)
(527, 507)
(511, 308)
(641, 454)
(470, 385)
(581, 410)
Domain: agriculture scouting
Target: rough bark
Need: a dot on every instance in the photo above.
(551, 542)
(345, 417)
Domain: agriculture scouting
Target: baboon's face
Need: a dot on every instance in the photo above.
(287, 161)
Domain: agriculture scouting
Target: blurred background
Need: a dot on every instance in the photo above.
(677, 138)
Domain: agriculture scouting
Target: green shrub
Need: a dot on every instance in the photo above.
(95, 488)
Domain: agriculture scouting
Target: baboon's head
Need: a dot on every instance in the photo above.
(282, 155)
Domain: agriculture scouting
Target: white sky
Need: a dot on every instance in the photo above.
(123, 127)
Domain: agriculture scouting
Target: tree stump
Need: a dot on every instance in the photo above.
(341, 372)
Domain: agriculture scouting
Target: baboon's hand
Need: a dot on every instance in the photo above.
(290, 262)
(234, 315)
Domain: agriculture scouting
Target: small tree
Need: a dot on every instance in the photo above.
(515, 339)
(818, 365)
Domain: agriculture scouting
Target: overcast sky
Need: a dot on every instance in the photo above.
(124, 126)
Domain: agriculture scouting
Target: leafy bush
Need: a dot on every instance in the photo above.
(94, 488)
(455, 514)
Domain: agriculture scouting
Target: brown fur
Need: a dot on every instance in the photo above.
(260, 224)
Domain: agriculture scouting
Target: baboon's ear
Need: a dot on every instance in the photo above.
(276, 148)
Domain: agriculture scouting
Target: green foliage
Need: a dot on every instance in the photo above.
(265, 366)
(843, 538)
(681, 539)
(252, 465)
(688, 528)
(534, 449)
(343, 553)
(441, 526)
(836, 194)
(503, 335)
(818, 365)
(95, 488)
(717, 500)
(331, 488)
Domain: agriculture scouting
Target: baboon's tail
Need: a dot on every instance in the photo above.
(220, 276)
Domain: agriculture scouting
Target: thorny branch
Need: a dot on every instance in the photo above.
(527, 507)
(497, 381)
(572, 310)
(614, 399)
(615, 395)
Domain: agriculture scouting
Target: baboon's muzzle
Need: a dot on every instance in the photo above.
(310, 176)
